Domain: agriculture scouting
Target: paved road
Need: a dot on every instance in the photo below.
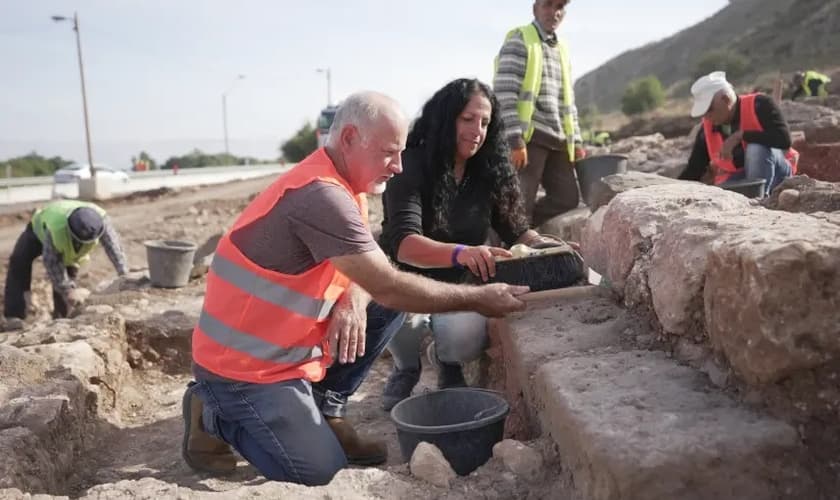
(186, 177)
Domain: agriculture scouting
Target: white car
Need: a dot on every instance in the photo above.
(76, 171)
(325, 119)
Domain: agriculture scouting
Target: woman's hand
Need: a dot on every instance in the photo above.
(481, 260)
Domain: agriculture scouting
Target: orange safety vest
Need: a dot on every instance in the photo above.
(749, 123)
(263, 326)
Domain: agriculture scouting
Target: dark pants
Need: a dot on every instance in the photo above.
(549, 166)
(280, 428)
(19, 277)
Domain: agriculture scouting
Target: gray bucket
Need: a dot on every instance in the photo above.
(464, 423)
(590, 170)
(170, 262)
(753, 188)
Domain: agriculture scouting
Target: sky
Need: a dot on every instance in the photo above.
(156, 69)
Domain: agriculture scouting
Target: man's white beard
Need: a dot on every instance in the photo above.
(376, 188)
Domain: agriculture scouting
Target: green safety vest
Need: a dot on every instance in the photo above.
(52, 219)
(527, 102)
(813, 75)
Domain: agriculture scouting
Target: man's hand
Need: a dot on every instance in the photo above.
(580, 152)
(519, 158)
(729, 145)
(481, 260)
(348, 322)
(77, 296)
(497, 299)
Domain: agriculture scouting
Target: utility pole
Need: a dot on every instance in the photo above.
(329, 83)
(224, 110)
(84, 92)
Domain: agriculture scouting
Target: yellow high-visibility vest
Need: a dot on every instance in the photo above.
(527, 102)
(813, 75)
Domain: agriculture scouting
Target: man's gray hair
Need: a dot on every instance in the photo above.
(361, 109)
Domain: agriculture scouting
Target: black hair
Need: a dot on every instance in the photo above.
(434, 133)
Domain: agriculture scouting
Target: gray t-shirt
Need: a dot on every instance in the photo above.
(307, 226)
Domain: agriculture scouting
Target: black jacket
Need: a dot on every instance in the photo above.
(408, 209)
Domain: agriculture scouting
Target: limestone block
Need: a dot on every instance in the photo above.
(604, 190)
(429, 464)
(637, 425)
(771, 294)
(519, 458)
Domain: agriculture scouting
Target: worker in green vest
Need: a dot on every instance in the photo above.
(810, 83)
(64, 232)
(533, 83)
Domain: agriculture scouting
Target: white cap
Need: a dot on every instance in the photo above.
(704, 90)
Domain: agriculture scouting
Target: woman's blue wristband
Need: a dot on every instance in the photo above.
(455, 253)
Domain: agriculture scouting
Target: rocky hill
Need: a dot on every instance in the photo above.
(772, 35)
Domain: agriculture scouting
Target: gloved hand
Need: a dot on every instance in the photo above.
(519, 158)
(77, 296)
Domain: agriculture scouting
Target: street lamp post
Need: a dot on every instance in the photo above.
(84, 93)
(329, 83)
(224, 110)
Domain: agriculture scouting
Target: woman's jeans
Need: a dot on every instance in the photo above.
(280, 428)
(460, 337)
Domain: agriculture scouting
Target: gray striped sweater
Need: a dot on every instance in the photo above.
(507, 83)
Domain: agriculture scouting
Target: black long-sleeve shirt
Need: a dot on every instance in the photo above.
(408, 209)
(775, 135)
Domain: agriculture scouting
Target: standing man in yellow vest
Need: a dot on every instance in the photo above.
(534, 85)
(64, 232)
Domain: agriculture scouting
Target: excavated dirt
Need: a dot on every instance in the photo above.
(133, 440)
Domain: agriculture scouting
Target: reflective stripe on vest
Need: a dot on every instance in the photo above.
(263, 326)
(530, 90)
(52, 219)
(748, 123)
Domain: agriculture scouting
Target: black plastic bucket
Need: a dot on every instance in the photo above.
(464, 423)
(590, 170)
(753, 188)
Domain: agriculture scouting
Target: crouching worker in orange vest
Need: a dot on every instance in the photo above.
(743, 137)
(297, 284)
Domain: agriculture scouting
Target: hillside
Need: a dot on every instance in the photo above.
(774, 35)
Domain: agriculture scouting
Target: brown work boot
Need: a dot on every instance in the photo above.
(359, 451)
(201, 451)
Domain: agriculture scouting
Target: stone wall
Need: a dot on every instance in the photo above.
(747, 292)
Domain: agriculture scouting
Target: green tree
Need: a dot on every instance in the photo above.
(33, 165)
(197, 158)
(644, 94)
(301, 144)
(734, 64)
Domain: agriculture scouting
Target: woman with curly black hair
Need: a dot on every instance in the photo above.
(457, 184)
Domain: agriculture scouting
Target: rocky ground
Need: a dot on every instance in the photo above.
(130, 351)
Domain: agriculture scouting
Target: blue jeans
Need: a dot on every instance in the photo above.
(761, 162)
(459, 337)
(280, 428)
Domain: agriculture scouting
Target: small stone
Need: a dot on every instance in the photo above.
(717, 375)
(519, 458)
(788, 199)
(429, 464)
(101, 309)
(690, 352)
(192, 210)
